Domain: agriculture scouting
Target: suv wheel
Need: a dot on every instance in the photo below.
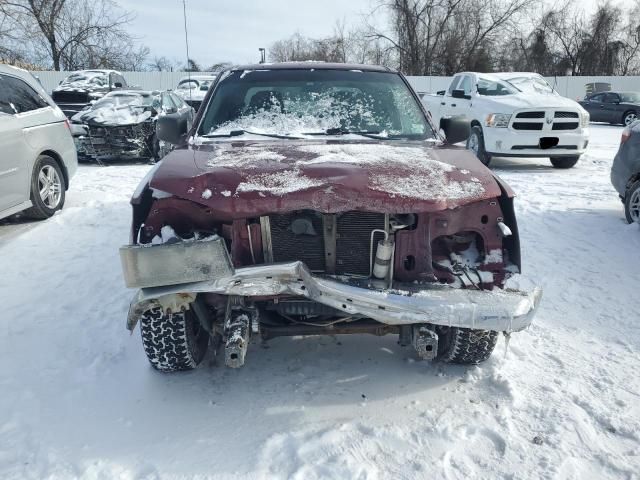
(173, 341)
(47, 188)
(564, 162)
(632, 203)
(475, 143)
(465, 346)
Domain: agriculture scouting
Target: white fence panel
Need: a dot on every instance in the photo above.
(572, 87)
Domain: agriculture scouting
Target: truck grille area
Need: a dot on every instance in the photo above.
(550, 120)
(565, 126)
(530, 115)
(288, 246)
(527, 126)
(327, 243)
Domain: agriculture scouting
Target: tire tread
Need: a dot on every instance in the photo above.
(468, 346)
(167, 342)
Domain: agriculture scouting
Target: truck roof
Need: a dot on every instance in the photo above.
(312, 65)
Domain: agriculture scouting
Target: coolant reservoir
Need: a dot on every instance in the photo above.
(383, 258)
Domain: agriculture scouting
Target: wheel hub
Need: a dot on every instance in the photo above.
(629, 119)
(49, 186)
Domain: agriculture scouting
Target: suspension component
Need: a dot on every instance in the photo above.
(237, 332)
(425, 342)
(382, 262)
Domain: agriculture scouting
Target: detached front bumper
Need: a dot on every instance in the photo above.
(171, 275)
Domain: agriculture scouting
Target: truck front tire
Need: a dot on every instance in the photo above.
(465, 346)
(475, 143)
(564, 162)
(173, 341)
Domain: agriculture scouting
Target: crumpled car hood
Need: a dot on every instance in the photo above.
(111, 116)
(243, 179)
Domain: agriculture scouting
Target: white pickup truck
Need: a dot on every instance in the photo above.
(514, 115)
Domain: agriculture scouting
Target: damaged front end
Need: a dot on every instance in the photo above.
(132, 141)
(309, 272)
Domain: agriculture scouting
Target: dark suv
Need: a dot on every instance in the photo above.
(625, 172)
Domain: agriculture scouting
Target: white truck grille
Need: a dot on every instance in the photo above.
(546, 120)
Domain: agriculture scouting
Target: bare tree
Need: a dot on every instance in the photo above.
(192, 66)
(629, 61)
(445, 36)
(161, 64)
(73, 34)
(344, 46)
(218, 67)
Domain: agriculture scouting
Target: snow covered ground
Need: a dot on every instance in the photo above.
(79, 400)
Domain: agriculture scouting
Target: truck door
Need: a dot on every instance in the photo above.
(595, 107)
(612, 111)
(448, 103)
(461, 106)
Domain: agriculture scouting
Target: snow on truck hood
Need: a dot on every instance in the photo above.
(245, 178)
(528, 100)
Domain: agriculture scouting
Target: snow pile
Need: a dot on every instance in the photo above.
(206, 194)
(428, 182)
(117, 115)
(85, 80)
(424, 178)
(246, 157)
(278, 183)
(368, 154)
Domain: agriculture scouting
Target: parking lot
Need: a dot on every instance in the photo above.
(79, 399)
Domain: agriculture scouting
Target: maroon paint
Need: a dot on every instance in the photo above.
(186, 174)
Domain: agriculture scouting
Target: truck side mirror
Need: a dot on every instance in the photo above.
(456, 129)
(171, 128)
(460, 94)
(440, 92)
(117, 85)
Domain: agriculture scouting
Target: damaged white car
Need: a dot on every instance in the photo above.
(123, 124)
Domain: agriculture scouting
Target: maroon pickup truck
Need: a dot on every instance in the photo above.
(312, 199)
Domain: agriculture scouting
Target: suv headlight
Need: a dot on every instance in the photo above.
(584, 119)
(498, 120)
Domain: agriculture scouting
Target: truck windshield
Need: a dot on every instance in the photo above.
(492, 87)
(532, 84)
(310, 101)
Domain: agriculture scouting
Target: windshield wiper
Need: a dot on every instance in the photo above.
(376, 135)
(240, 132)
